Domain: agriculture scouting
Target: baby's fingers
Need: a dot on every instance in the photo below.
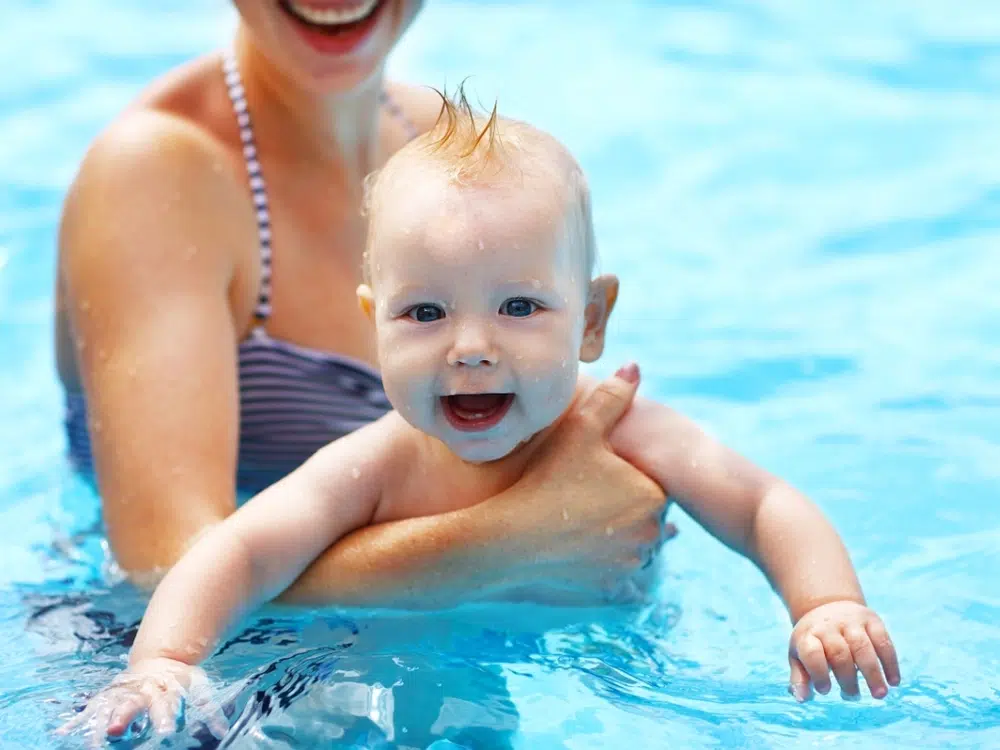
(127, 718)
(798, 683)
(841, 661)
(886, 651)
(811, 654)
(166, 712)
(209, 711)
(74, 723)
(866, 659)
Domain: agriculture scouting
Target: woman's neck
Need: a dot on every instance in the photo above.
(338, 131)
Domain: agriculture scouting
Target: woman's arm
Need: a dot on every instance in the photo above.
(549, 532)
(147, 244)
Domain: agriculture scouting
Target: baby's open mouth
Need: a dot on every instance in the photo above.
(475, 412)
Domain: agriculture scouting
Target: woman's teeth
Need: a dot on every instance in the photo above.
(333, 16)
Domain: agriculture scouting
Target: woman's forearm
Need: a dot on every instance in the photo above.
(801, 553)
(418, 563)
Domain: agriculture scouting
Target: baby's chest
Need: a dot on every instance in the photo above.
(431, 490)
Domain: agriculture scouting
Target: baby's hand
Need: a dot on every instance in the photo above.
(837, 636)
(152, 692)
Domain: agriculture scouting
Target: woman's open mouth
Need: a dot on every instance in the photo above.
(476, 412)
(334, 27)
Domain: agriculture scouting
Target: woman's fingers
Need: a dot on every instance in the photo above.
(609, 401)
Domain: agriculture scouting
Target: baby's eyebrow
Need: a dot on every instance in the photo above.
(533, 283)
(406, 289)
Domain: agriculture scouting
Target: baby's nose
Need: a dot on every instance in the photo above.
(473, 348)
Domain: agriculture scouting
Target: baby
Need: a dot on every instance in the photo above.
(478, 281)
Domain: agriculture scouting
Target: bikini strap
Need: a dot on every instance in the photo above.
(237, 95)
(397, 112)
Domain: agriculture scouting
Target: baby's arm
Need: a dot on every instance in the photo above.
(781, 531)
(238, 564)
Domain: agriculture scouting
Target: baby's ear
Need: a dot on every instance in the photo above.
(366, 301)
(600, 302)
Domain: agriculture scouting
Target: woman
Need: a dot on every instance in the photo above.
(209, 340)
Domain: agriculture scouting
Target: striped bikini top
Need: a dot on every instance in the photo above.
(293, 400)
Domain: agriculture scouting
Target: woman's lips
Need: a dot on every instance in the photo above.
(334, 29)
(476, 412)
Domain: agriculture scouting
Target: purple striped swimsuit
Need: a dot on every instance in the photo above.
(293, 400)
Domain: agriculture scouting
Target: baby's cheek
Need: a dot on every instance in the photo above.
(562, 387)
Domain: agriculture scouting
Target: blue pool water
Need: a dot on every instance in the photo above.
(803, 203)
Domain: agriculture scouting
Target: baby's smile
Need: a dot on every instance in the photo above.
(476, 412)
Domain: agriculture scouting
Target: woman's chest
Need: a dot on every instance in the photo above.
(311, 270)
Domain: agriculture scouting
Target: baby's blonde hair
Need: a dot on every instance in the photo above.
(471, 148)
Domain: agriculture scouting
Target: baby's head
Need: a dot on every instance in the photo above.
(478, 278)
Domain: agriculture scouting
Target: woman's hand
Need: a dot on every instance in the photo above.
(845, 637)
(581, 527)
(158, 694)
(583, 524)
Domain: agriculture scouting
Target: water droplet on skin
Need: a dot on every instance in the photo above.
(565, 514)
(536, 284)
(84, 305)
(356, 472)
(609, 530)
(97, 425)
(132, 371)
(694, 463)
(191, 252)
(80, 344)
(564, 363)
(518, 357)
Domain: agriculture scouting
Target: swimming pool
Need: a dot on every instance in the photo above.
(804, 207)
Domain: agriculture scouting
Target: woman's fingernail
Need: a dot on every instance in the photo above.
(629, 373)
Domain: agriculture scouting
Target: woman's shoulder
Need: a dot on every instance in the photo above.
(159, 177)
(421, 104)
(176, 130)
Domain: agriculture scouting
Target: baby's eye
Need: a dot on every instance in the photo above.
(425, 313)
(518, 307)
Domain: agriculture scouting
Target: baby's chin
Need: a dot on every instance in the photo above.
(486, 450)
